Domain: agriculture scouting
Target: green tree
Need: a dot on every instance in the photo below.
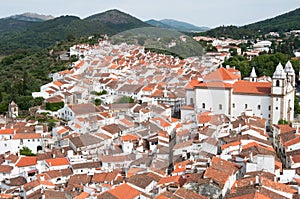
(51, 125)
(26, 151)
(98, 102)
(233, 51)
(282, 121)
(125, 99)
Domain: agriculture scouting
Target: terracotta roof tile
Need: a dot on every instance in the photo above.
(125, 191)
(26, 161)
(57, 161)
(220, 74)
(7, 131)
(257, 88)
(27, 136)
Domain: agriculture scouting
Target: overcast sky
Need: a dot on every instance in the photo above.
(209, 13)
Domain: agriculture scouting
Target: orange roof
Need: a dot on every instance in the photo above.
(77, 125)
(284, 128)
(170, 180)
(66, 72)
(293, 141)
(79, 64)
(202, 119)
(125, 191)
(220, 170)
(258, 88)
(129, 137)
(236, 143)
(192, 84)
(57, 161)
(83, 195)
(132, 171)
(113, 66)
(62, 131)
(27, 136)
(214, 85)
(252, 144)
(57, 83)
(7, 131)
(127, 122)
(220, 74)
(161, 122)
(26, 161)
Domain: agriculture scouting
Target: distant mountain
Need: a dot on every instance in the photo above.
(32, 17)
(159, 24)
(16, 33)
(176, 25)
(282, 23)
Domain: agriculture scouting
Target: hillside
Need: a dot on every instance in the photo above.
(161, 40)
(282, 23)
(17, 34)
(176, 25)
(158, 24)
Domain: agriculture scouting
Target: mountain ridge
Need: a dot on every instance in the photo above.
(281, 23)
(176, 25)
(16, 34)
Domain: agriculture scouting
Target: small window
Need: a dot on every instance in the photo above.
(276, 107)
(276, 99)
(269, 108)
(258, 107)
(277, 83)
(220, 107)
(203, 105)
(191, 101)
(246, 105)
(233, 105)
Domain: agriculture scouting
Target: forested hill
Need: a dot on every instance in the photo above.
(282, 23)
(19, 34)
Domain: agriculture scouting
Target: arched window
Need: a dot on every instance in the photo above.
(277, 83)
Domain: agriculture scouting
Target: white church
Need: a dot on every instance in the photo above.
(223, 91)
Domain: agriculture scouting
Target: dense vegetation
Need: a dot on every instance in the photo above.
(161, 41)
(281, 23)
(16, 34)
(264, 64)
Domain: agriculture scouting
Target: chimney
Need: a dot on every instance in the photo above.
(240, 127)
(275, 178)
(256, 180)
(251, 156)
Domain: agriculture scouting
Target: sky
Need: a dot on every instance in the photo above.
(210, 13)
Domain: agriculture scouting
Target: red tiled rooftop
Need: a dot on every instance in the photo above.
(220, 74)
(57, 161)
(125, 191)
(258, 88)
(7, 131)
(26, 161)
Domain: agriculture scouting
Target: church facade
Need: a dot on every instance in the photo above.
(223, 91)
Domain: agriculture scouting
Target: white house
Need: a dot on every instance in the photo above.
(223, 92)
